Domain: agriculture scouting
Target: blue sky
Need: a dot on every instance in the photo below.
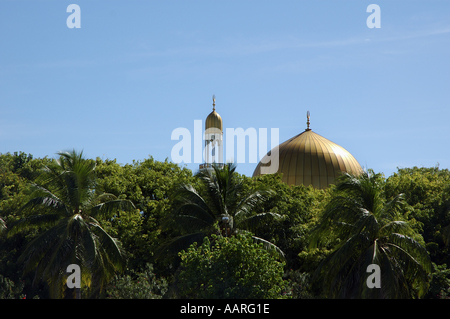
(136, 70)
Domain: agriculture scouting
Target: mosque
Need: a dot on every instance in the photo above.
(305, 159)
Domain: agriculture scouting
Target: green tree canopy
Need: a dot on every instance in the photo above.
(149, 184)
(427, 195)
(229, 268)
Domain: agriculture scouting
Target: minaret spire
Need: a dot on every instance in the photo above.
(213, 137)
(307, 121)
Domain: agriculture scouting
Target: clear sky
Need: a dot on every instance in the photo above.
(136, 70)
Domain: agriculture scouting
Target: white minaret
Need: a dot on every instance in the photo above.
(213, 152)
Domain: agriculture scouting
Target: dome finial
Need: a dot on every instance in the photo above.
(307, 122)
(214, 102)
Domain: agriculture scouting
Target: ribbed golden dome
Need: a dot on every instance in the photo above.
(311, 159)
(214, 119)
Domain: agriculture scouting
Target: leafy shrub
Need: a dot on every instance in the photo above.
(226, 268)
(8, 290)
(142, 285)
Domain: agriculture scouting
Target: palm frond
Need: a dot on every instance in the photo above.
(396, 226)
(415, 264)
(111, 206)
(111, 246)
(67, 250)
(272, 248)
(44, 199)
(338, 220)
(192, 217)
(38, 252)
(418, 254)
(367, 224)
(2, 225)
(103, 198)
(362, 187)
(76, 177)
(248, 203)
(394, 284)
(392, 207)
(33, 221)
(175, 245)
(217, 194)
(338, 261)
(253, 222)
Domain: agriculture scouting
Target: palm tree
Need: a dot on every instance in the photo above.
(223, 207)
(64, 201)
(367, 231)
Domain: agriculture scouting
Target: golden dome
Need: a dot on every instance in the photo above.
(311, 159)
(214, 119)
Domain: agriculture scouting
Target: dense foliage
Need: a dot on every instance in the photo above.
(137, 285)
(364, 227)
(221, 205)
(285, 217)
(229, 268)
(64, 200)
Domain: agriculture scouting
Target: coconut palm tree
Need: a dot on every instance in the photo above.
(222, 207)
(64, 202)
(367, 230)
